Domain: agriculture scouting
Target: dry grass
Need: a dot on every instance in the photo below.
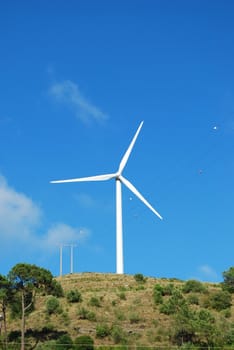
(123, 302)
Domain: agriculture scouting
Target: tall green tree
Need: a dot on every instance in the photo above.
(6, 296)
(27, 280)
(228, 282)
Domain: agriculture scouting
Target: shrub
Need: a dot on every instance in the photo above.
(84, 342)
(220, 300)
(193, 299)
(140, 287)
(167, 308)
(123, 288)
(65, 342)
(94, 301)
(160, 291)
(139, 278)
(65, 318)
(159, 288)
(91, 316)
(230, 335)
(134, 318)
(168, 289)
(74, 296)
(118, 335)
(102, 331)
(158, 299)
(85, 314)
(52, 305)
(120, 315)
(193, 286)
(173, 304)
(157, 294)
(122, 296)
(227, 313)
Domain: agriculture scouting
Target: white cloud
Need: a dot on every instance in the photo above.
(208, 272)
(85, 200)
(68, 93)
(62, 233)
(21, 232)
(18, 214)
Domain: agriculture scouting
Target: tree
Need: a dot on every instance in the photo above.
(228, 283)
(184, 326)
(27, 280)
(206, 328)
(6, 296)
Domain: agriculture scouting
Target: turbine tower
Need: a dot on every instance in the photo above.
(119, 179)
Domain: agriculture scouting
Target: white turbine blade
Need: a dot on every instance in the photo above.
(127, 153)
(89, 178)
(137, 193)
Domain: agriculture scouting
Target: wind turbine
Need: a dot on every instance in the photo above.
(119, 179)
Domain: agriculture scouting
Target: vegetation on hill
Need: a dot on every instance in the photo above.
(88, 310)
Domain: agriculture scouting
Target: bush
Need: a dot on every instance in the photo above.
(74, 296)
(157, 294)
(168, 289)
(173, 304)
(84, 342)
(85, 314)
(122, 296)
(228, 283)
(139, 278)
(158, 288)
(230, 335)
(193, 286)
(158, 299)
(193, 299)
(64, 342)
(102, 331)
(167, 308)
(134, 318)
(94, 301)
(52, 305)
(220, 300)
(118, 335)
(65, 318)
(120, 315)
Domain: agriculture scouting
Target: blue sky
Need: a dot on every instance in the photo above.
(76, 80)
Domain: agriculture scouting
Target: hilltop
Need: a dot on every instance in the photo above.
(134, 310)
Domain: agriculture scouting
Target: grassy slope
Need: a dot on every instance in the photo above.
(124, 302)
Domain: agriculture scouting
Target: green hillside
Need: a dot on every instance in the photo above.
(125, 310)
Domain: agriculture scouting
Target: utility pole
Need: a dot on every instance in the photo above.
(61, 259)
(72, 245)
